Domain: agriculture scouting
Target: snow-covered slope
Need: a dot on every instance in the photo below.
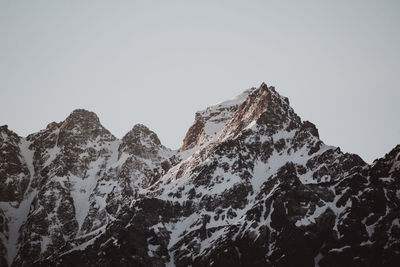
(16, 175)
(65, 183)
(252, 185)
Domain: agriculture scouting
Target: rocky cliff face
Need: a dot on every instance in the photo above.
(65, 183)
(252, 185)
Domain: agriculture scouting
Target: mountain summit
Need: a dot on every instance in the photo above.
(252, 185)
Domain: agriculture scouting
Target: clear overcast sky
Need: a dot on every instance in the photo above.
(157, 62)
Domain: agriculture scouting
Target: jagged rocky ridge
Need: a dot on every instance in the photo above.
(252, 185)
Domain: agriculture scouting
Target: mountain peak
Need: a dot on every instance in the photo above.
(210, 122)
(81, 118)
(142, 132)
(4, 127)
(262, 106)
(263, 86)
(230, 117)
(6, 133)
(253, 184)
(141, 141)
(83, 123)
(79, 115)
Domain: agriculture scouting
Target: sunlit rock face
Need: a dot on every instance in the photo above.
(252, 185)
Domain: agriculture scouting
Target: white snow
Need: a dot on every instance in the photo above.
(46, 241)
(17, 214)
(82, 189)
(152, 249)
(317, 259)
(261, 173)
(83, 246)
(339, 249)
(387, 179)
(311, 219)
(236, 100)
(52, 154)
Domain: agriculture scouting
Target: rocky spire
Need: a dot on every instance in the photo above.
(141, 141)
(80, 126)
(263, 106)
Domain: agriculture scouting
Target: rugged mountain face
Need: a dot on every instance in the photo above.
(252, 185)
(65, 183)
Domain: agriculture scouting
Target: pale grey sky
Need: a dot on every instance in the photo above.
(157, 62)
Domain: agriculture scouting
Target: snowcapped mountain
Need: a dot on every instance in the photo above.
(65, 183)
(252, 185)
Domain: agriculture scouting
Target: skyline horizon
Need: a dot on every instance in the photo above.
(157, 63)
(120, 136)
